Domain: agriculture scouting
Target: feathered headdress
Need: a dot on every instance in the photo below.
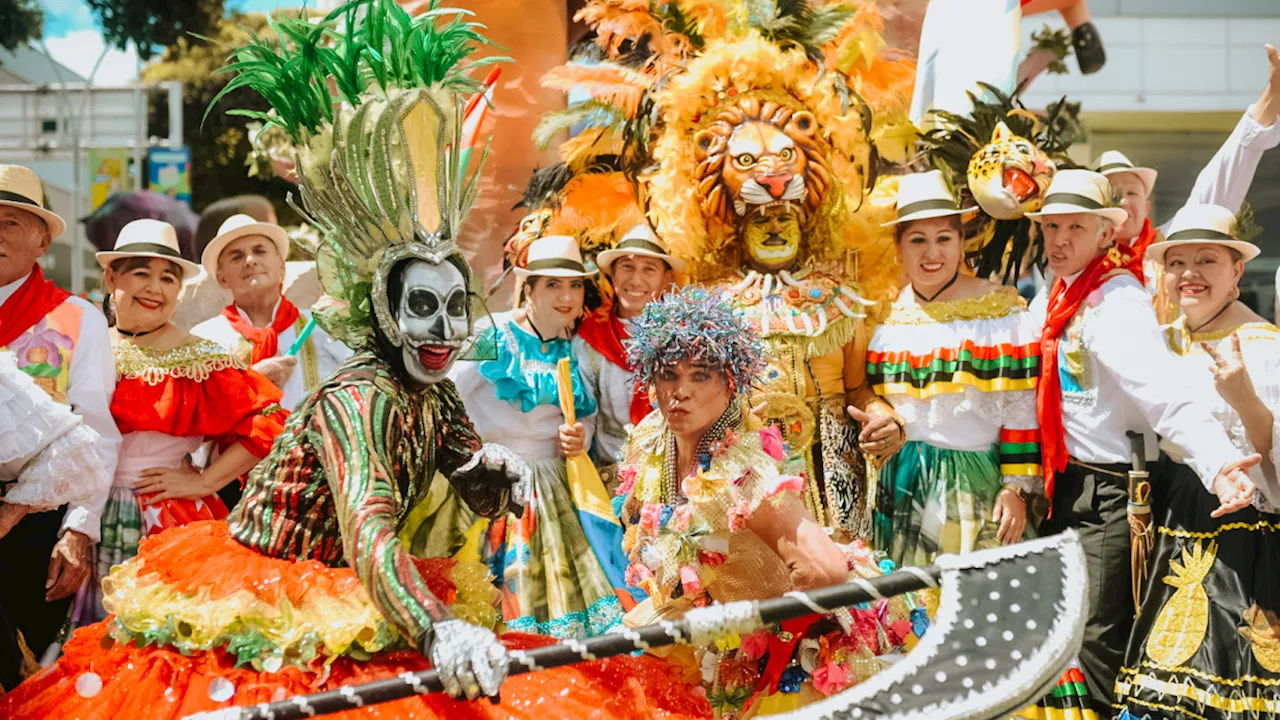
(659, 73)
(382, 164)
(694, 324)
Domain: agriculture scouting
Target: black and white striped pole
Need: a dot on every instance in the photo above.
(698, 626)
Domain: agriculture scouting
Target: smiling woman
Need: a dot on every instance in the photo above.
(173, 391)
(1229, 354)
(554, 580)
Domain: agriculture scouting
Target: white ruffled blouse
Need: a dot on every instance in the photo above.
(48, 457)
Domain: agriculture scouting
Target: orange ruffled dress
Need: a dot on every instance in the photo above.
(226, 605)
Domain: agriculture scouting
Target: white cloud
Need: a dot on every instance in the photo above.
(79, 51)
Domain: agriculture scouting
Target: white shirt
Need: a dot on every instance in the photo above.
(612, 388)
(533, 435)
(1226, 178)
(329, 352)
(1118, 374)
(91, 381)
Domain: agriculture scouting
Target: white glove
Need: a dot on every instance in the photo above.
(469, 659)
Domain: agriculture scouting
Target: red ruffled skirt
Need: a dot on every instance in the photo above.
(202, 622)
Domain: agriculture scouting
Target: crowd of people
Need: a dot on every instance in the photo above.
(700, 401)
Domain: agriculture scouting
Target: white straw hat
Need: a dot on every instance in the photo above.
(21, 188)
(639, 240)
(554, 256)
(236, 227)
(1196, 224)
(149, 238)
(925, 195)
(1113, 161)
(1080, 191)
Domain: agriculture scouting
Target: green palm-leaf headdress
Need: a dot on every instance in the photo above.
(372, 100)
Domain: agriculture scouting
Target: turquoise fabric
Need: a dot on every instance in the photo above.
(526, 378)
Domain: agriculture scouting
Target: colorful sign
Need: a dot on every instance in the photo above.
(171, 172)
(109, 173)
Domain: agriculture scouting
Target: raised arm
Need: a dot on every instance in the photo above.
(1225, 180)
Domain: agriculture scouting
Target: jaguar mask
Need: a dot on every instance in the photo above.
(1009, 175)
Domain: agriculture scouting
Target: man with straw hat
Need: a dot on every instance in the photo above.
(61, 341)
(1105, 372)
(1224, 181)
(640, 270)
(261, 325)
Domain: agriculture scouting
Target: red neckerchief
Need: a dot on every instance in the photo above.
(36, 298)
(266, 341)
(603, 330)
(1063, 303)
(1144, 239)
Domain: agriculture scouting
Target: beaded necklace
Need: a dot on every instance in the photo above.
(671, 492)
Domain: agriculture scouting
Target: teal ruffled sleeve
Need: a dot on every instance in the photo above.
(524, 375)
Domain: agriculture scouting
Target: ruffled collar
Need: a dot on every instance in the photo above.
(1000, 302)
(1184, 342)
(195, 360)
(524, 371)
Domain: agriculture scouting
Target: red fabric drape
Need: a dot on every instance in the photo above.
(266, 341)
(1064, 301)
(603, 331)
(36, 298)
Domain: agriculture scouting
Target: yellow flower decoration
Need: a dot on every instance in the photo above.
(703, 487)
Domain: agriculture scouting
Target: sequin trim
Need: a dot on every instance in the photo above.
(604, 615)
(195, 360)
(998, 303)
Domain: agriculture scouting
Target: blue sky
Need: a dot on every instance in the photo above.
(75, 40)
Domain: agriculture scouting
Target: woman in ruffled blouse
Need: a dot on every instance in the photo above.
(1206, 640)
(174, 392)
(958, 359)
(553, 579)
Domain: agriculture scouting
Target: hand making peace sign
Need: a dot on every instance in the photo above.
(1230, 376)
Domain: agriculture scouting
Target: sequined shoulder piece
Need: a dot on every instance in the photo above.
(1001, 302)
(195, 360)
(1183, 342)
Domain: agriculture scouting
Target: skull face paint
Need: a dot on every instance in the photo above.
(434, 317)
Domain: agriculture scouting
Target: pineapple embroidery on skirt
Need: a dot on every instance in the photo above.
(1263, 633)
(1183, 621)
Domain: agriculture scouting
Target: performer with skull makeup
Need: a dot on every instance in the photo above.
(307, 586)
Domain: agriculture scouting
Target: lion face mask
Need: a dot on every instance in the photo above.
(760, 154)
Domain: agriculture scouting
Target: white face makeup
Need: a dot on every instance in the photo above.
(433, 317)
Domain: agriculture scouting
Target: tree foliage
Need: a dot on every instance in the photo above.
(154, 24)
(220, 142)
(21, 21)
